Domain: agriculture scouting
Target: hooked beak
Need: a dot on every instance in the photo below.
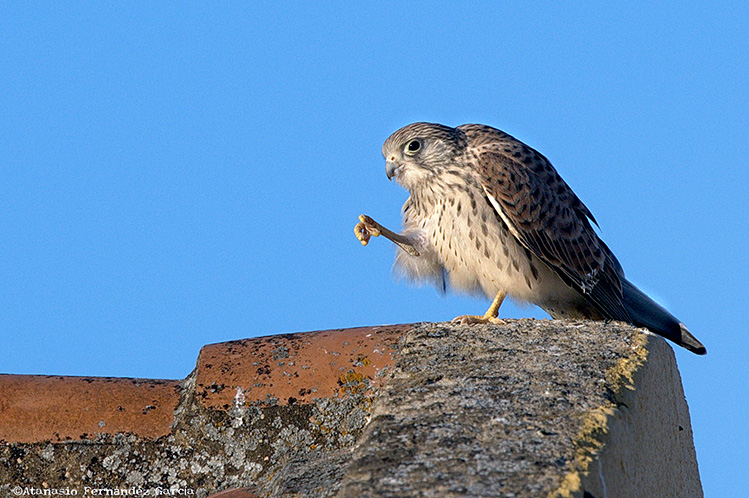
(390, 167)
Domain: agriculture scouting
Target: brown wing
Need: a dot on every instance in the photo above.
(546, 216)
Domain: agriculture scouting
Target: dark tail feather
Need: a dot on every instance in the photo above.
(647, 313)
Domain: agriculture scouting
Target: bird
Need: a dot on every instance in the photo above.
(489, 215)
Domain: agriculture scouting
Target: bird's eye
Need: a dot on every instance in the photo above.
(413, 146)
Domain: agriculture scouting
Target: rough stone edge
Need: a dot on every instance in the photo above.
(597, 424)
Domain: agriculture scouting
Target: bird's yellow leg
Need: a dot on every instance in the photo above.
(367, 227)
(491, 315)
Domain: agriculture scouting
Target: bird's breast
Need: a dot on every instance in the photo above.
(475, 247)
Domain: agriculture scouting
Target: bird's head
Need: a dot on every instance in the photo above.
(419, 152)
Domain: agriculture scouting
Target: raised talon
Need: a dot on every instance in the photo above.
(370, 225)
(361, 233)
(366, 228)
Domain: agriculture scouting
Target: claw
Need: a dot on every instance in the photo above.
(491, 315)
(366, 228)
(470, 319)
(361, 233)
(370, 225)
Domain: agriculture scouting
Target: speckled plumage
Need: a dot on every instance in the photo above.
(488, 214)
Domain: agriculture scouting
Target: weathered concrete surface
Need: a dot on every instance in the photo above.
(529, 408)
(646, 440)
(524, 410)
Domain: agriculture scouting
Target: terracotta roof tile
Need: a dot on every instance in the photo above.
(287, 369)
(295, 368)
(38, 408)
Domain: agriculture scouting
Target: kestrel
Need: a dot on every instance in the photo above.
(487, 214)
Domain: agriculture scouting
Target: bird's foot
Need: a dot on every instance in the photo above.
(366, 228)
(470, 319)
(491, 315)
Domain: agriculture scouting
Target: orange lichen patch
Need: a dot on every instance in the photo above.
(295, 368)
(353, 382)
(39, 408)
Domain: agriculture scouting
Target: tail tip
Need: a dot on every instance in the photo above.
(690, 342)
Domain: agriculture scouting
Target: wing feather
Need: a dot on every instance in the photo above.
(546, 216)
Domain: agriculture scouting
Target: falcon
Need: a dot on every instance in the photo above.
(489, 215)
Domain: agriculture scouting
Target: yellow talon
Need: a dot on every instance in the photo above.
(491, 315)
(366, 228)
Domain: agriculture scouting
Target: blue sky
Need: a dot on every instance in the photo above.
(177, 174)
